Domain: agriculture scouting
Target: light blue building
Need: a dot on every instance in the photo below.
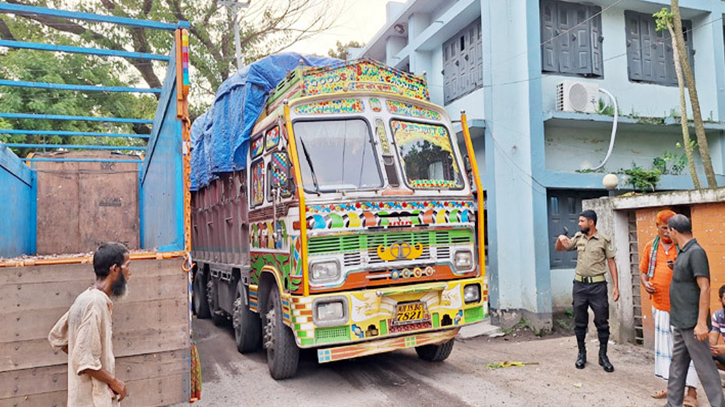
(502, 61)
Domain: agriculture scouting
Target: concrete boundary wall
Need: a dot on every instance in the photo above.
(616, 217)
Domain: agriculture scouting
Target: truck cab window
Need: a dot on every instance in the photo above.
(427, 156)
(258, 183)
(337, 155)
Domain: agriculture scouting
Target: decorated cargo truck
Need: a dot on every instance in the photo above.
(332, 209)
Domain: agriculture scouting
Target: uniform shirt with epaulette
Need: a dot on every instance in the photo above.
(592, 253)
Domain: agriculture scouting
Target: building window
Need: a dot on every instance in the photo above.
(463, 63)
(649, 52)
(564, 209)
(571, 38)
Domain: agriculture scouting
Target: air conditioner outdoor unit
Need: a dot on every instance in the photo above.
(580, 97)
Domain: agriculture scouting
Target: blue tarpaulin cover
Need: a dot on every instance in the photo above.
(220, 137)
(199, 159)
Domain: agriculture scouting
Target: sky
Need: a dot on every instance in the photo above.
(359, 21)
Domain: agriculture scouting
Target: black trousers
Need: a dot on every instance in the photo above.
(595, 296)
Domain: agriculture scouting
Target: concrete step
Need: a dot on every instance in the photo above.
(484, 328)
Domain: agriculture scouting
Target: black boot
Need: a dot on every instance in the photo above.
(603, 359)
(581, 359)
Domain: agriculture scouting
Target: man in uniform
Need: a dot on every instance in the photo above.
(594, 251)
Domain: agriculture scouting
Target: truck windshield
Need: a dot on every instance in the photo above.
(427, 156)
(337, 155)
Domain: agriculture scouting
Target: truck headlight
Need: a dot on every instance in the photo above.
(472, 293)
(463, 260)
(330, 311)
(324, 271)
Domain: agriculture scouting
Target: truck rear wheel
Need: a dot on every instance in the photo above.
(283, 355)
(214, 310)
(247, 325)
(435, 353)
(201, 303)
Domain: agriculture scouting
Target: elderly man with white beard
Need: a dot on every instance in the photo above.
(85, 331)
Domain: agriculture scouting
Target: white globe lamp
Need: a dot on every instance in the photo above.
(610, 181)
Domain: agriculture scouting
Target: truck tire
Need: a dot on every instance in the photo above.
(247, 325)
(201, 302)
(283, 355)
(435, 353)
(216, 313)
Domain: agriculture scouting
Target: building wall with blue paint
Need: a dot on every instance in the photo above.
(17, 206)
(639, 145)
(531, 150)
(637, 98)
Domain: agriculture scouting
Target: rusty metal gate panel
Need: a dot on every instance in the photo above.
(82, 204)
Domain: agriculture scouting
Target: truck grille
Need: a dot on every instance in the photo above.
(351, 259)
(352, 246)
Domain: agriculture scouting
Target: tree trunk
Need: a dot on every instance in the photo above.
(683, 111)
(694, 101)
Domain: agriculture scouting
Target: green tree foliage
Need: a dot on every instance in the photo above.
(340, 51)
(418, 158)
(266, 27)
(64, 68)
(673, 23)
(642, 179)
(665, 21)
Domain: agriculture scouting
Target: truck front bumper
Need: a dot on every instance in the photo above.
(377, 315)
(384, 345)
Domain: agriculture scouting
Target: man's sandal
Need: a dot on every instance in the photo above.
(689, 402)
(660, 394)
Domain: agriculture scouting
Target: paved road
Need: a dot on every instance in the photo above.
(401, 379)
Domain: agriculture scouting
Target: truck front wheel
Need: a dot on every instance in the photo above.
(247, 325)
(435, 353)
(201, 303)
(282, 352)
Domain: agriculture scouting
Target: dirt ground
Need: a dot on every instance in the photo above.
(465, 379)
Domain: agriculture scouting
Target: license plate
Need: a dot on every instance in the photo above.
(410, 313)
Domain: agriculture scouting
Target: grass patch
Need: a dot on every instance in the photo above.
(564, 321)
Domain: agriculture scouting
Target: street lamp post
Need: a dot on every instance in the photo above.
(235, 6)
